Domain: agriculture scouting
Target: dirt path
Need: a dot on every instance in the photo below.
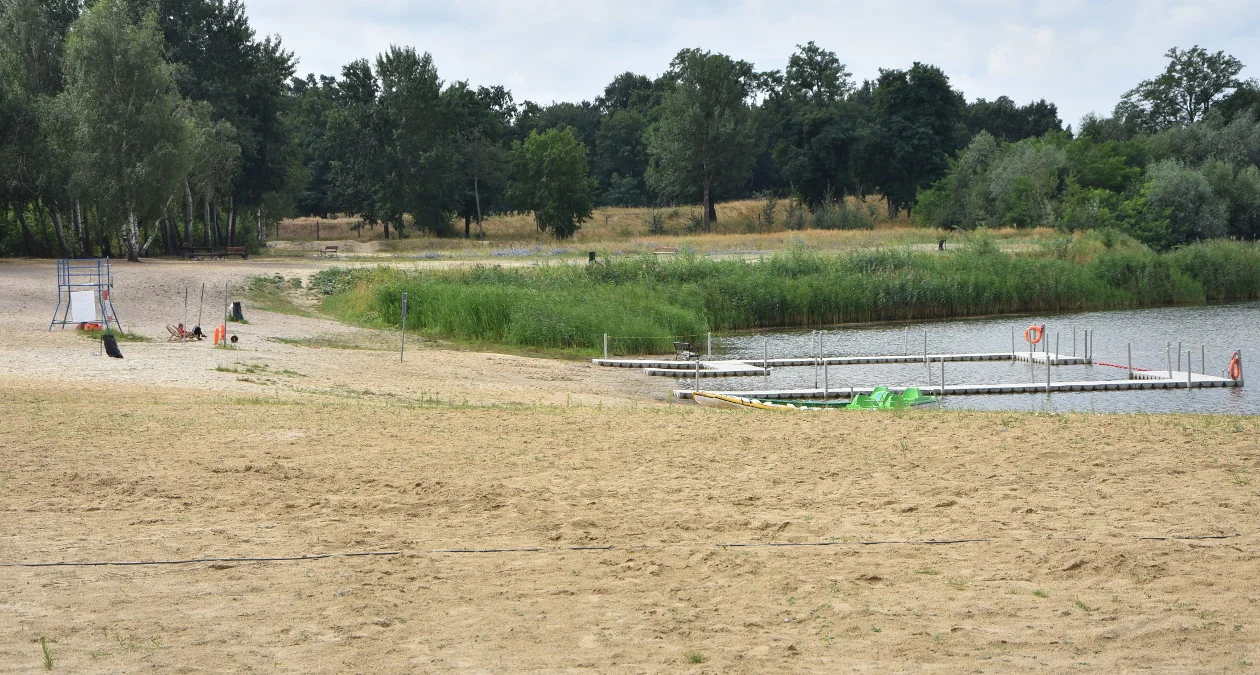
(629, 534)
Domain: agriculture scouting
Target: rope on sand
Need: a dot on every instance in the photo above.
(189, 561)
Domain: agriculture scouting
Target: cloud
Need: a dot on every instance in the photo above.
(1080, 54)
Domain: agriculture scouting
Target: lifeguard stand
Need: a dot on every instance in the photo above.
(83, 287)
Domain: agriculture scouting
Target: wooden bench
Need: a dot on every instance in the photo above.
(214, 252)
(666, 250)
(330, 251)
(682, 351)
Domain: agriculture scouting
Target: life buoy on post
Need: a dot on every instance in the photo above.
(1033, 333)
(1235, 367)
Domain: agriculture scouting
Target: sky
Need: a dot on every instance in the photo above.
(1082, 55)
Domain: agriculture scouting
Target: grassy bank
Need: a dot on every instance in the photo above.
(645, 301)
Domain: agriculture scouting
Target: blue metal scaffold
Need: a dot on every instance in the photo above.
(86, 275)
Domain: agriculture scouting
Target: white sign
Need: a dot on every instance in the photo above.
(83, 306)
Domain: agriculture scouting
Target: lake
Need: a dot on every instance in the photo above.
(1213, 330)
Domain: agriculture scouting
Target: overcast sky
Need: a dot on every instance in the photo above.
(1080, 54)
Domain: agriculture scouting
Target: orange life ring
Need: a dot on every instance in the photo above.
(1033, 333)
(1235, 367)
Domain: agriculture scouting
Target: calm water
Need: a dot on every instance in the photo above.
(1216, 330)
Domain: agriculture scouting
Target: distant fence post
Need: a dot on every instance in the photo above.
(402, 346)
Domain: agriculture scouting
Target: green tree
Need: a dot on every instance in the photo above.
(1190, 85)
(1182, 207)
(703, 142)
(550, 179)
(128, 134)
(917, 126)
(817, 132)
(1009, 122)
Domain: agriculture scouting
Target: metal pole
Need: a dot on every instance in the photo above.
(708, 351)
(765, 353)
(225, 313)
(1056, 350)
(905, 351)
(402, 345)
(826, 384)
(926, 362)
(1240, 366)
(183, 326)
(1179, 356)
(1073, 341)
(605, 345)
(1047, 366)
(1130, 360)
(1189, 370)
(697, 374)
(1170, 370)
(1012, 342)
(1203, 359)
(942, 376)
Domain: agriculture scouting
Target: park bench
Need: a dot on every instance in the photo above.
(237, 250)
(682, 351)
(330, 251)
(666, 250)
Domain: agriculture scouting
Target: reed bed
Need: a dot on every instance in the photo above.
(651, 301)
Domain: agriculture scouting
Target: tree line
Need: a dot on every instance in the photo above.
(132, 124)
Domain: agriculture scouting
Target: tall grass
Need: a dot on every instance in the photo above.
(571, 307)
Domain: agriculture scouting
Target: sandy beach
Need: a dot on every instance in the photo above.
(526, 514)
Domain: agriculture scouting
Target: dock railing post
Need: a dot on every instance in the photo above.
(605, 345)
(1130, 360)
(1170, 370)
(708, 345)
(697, 374)
(1073, 341)
(942, 376)
(1047, 369)
(1012, 343)
(1178, 357)
(1240, 366)
(926, 362)
(826, 387)
(1203, 359)
(765, 354)
(1189, 370)
(905, 351)
(1057, 353)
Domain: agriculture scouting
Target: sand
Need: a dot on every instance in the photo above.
(605, 528)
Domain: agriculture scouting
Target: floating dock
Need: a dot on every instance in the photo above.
(754, 367)
(1197, 381)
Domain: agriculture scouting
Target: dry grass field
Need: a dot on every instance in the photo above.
(627, 230)
(554, 516)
